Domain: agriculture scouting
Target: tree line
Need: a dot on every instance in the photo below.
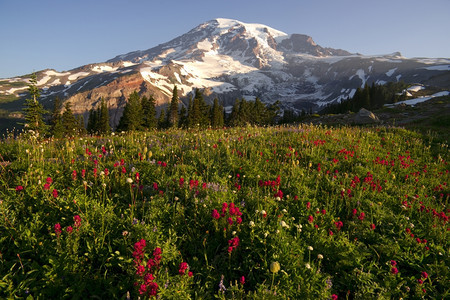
(140, 114)
(369, 97)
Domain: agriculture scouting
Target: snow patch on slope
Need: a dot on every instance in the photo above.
(439, 68)
(100, 69)
(77, 75)
(391, 72)
(415, 101)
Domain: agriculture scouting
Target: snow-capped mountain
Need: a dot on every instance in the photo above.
(230, 59)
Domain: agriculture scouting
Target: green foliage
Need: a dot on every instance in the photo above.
(98, 122)
(132, 118)
(198, 112)
(173, 109)
(254, 113)
(149, 112)
(34, 111)
(229, 203)
(70, 125)
(373, 97)
(217, 120)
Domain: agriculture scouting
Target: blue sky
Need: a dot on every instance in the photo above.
(64, 34)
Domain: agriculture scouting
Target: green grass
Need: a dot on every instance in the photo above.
(74, 214)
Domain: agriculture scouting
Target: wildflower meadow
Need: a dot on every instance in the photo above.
(295, 212)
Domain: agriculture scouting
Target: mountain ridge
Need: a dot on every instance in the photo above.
(230, 59)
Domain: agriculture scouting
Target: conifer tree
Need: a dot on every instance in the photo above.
(34, 110)
(173, 109)
(182, 118)
(199, 114)
(162, 120)
(103, 126)
(235, 115)
(81, 128)
(132, 114)
(148, 113)
(217, 114)
(92, 124)
(55, 119)
(190, 114)
(69, 122)
(258, 112)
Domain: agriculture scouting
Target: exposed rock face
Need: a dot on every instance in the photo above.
(365, 116)
(115, 94)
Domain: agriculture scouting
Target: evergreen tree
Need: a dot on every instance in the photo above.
(259, 112)
(173, 109)
(217, 115)
(182, 119)
(162, 120)
(81, 128)
(34, 110)
(69, 122)
(235, 114)
(200, 111)
(103, 126)
(55, 119)
(132, 114)
(190, 114)
(92, 125)
(272, 111)
(149, 112)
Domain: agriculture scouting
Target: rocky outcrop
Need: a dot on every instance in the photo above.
(365, 116)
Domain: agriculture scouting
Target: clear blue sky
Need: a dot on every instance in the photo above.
(64, 34)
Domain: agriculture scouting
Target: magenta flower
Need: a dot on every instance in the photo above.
(182, 268)
(152, 289)
(215, 214)
(242, 280)
(140, 270)
(58, 230)
(394, 270)
(77, 221)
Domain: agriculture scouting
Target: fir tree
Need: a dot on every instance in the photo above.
(34, 110)
(69, 122)
(162, 120)
(81, 128)
(173, 109)
(217, 114)
(103, 126)
(132, 114)
(190, 114)
(234, 119)
(55, 119)
(182, 119)
(149, 112)
(259, 112)
(92, 125)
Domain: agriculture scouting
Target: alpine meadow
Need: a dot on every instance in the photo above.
(234, 161)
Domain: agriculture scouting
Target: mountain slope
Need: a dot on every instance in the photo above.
(230, 59)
